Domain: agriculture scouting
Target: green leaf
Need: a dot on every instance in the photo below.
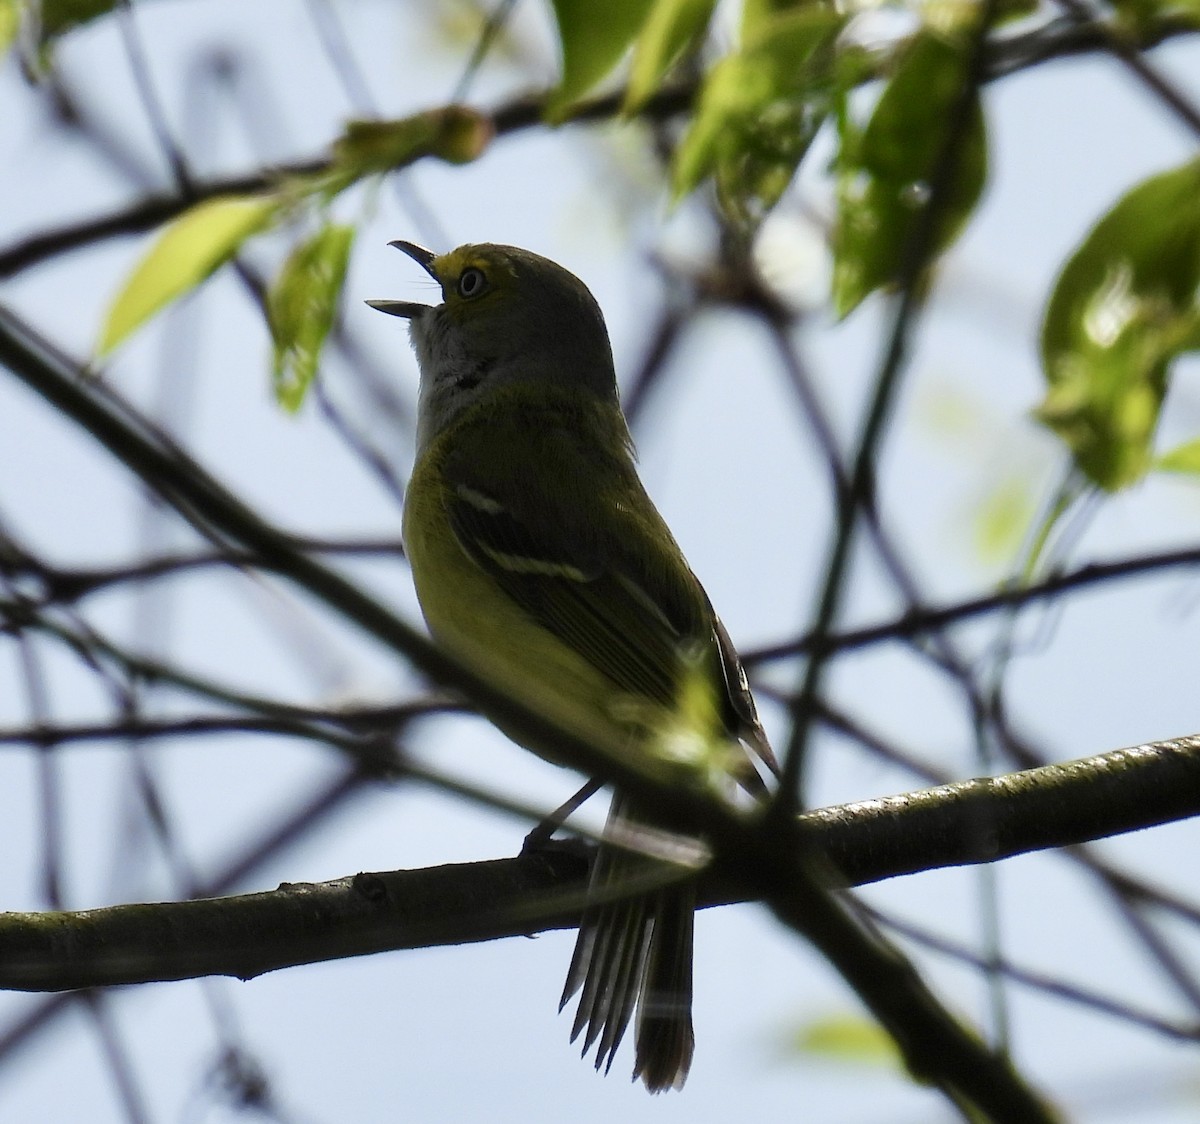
(1003, 519)
(455, 134)
(1183, 458)
(848, 1038)
(671, 27)
(59, 16)
(301, 305)
(758, 112)
(1124, 306)
(191, 248)
(884, 171)
(961, 17)
(36, 24)
(594, 38)
(1142, 20)
(10, 24)
(757, 14)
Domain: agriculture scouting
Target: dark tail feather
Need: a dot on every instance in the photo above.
(635, 951)
(664, 1029)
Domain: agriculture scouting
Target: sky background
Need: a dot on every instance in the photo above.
(471, 1033)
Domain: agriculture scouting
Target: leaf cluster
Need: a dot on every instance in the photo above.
(1123, 310)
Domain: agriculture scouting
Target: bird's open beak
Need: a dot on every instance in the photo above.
(424, 258)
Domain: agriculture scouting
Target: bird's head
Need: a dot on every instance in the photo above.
(507, 317)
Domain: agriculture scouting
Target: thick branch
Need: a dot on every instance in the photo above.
(950, 825)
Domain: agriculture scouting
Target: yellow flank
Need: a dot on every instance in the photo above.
(467, 611)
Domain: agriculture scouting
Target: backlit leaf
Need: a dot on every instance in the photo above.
(191, 248)
(301, 305)
(1123, 308)
(1003, 519)
(757, 14)
(10, 24)
(847, 1038)
(670, 28)
(455, 134)
(884, 171)
(758, 111)
(594, 38)
(1183, 459)
(58, 16)
(1142, 19)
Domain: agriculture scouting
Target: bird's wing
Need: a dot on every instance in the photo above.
(592, 561)
(577, 589)
(745, 722)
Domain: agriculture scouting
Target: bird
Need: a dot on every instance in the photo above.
(541, 563)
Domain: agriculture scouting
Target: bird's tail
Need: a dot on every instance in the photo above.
(635, 951)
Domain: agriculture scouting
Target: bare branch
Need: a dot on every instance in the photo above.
(967, 822)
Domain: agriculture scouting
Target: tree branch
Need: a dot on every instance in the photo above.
(246, 935)
(1007, 55)
(935, 618)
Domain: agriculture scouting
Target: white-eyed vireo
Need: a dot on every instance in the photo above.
(541, 563)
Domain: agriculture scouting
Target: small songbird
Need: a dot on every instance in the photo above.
(541, 563)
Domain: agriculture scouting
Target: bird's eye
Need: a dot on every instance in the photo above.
(471, 283)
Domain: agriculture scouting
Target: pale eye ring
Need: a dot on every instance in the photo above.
(471, 282)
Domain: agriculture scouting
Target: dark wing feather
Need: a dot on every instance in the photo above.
(602, 614)
(745, 724)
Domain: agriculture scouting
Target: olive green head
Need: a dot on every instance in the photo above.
(507, 317)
